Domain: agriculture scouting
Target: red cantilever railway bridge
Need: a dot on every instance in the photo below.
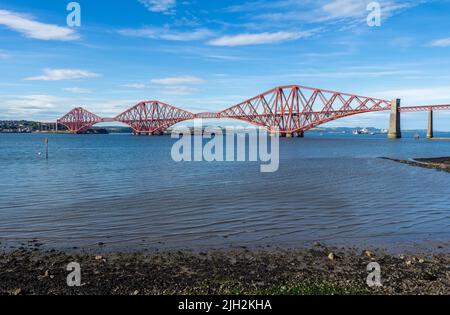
(286, 110)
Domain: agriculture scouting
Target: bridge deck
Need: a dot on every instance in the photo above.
(424, 108)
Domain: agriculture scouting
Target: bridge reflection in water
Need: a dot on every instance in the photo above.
(288, 110)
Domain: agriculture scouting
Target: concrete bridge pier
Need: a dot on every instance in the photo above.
(300, 134)
(430, 132)
(395, 124)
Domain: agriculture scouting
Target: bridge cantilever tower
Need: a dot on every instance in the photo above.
(78, 120)
(295, 109)
(153, 117)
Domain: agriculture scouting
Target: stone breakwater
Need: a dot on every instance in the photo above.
(441, 164)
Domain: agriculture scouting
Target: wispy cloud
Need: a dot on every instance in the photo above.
(63, 74)
(344, 9)
(107, 107)
(167, 34)
(357, 9)
(135, 86)
(354, 73)
(77, 90)
(179, 80)
(260, 38)
(33, 29)
(420, 95)
(44, 107)
(207, 52)
(161, 6)
(35, 106)
(223, 57)
(443, 42)
(178, 90)
(350, 13)
(4, 55)
(179, 85)
(264, 5)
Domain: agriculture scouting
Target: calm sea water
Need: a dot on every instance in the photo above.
(126, 192)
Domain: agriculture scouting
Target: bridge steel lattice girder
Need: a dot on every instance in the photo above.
(286, 110)
(295, 108)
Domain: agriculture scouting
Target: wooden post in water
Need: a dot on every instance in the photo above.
(46, 148)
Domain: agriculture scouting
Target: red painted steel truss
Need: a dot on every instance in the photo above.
(78, 120)
(153, 117)
(286, 109)
(291, 109)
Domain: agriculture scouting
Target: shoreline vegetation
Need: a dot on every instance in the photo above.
(317, 270)
(441, 163)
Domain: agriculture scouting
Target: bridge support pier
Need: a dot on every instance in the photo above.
(289, 135)
(395, 124)
(301, 134)
(430, 132)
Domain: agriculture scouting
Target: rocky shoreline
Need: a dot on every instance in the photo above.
(441, 164)
(318, 270)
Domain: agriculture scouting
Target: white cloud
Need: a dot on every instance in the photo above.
(63, 74)
(34, 29)
(163, 6)
(178, 81)
(167, 34)
(260, 38)
(77, 90)
(443, 42)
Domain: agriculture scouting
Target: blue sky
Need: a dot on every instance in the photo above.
(204, 55)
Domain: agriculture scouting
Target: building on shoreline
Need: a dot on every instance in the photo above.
(25, 126)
